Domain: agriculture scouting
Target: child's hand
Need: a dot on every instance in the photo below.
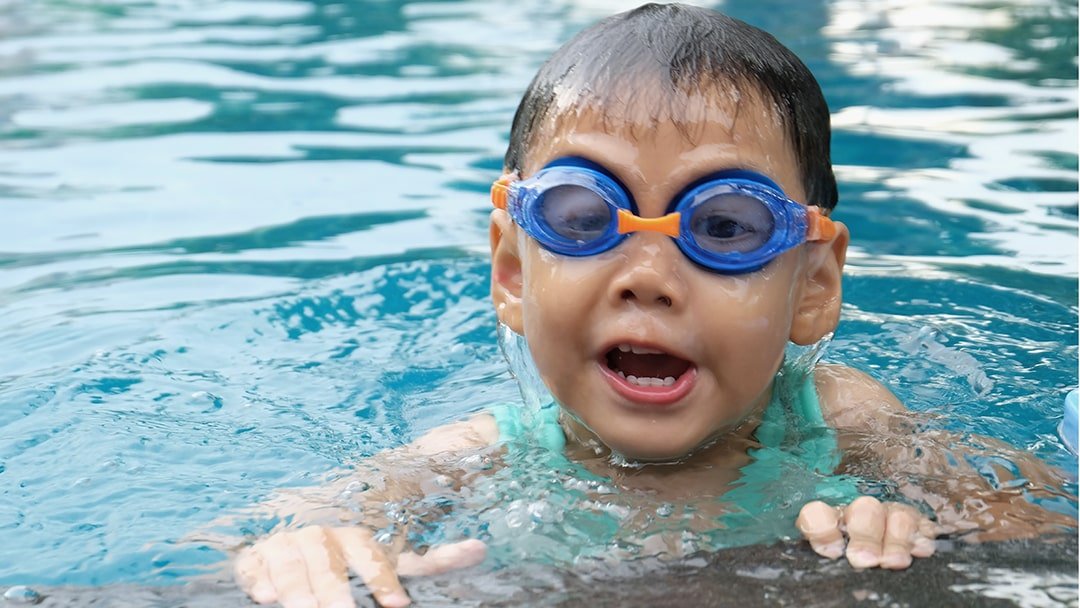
(885, 535)
(309, 567)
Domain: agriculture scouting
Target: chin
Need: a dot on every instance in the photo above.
(651, 453)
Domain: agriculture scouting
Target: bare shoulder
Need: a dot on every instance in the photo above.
(477, 432)
(851, 399)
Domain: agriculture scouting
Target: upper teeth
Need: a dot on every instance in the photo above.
(639, 350)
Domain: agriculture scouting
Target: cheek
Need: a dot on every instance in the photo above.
(748, 319)
(557, 301)
(562, 292)
(545, 284)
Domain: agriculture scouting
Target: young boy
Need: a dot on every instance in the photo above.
(661, 234)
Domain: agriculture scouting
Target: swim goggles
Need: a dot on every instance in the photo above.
(731, 222)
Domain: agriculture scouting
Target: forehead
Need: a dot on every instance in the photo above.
(651, 138)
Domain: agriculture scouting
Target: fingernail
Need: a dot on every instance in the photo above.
(263, 593)
(832, 550)
(897, 561)
(861, 558)
(923, 547)
(395, 600)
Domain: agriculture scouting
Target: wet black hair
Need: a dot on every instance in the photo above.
(683, 50)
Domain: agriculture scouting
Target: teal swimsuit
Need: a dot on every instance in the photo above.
(794, 465)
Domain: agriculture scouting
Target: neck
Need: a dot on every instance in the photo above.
(722, 450)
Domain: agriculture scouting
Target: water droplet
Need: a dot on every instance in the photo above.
(206, 399)
(477, 462)
(515, 518)
(538, 511)
(358, 486)
(397, 513)
(665, 510)
(21, 594)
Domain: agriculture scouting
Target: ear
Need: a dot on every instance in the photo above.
(506, 278)
(817, 312)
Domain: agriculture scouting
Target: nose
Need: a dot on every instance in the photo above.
(650, 274)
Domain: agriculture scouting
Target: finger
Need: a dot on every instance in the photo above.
(923, 547)
(368, 560)
(442, 559)
(288, 573)
(253, 578)
(326, 569)
(820, 524)
(924, 542)
(865, 519)
(930, 529)
(901, 530)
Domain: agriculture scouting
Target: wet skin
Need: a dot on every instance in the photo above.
(645, 294)
(729, 332)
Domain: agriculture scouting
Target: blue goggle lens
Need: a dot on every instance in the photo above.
(727, 222)
(731, 222)
(576, 213)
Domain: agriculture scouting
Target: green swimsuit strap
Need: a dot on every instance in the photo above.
(798, 438)
(801, 428)
(539, 442)
(546, 432)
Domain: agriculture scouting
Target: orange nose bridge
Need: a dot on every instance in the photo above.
(669, 224)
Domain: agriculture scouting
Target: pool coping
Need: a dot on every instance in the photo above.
(1015, 573)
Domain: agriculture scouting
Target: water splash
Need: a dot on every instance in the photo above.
(929, 343)
(516, 351)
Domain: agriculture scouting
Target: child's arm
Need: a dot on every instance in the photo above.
(878, 431)
(309, 566)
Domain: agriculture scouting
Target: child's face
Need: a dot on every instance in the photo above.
(723, 336)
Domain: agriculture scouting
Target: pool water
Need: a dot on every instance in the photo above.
(244, 243)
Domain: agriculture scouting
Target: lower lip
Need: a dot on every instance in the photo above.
(658, 396)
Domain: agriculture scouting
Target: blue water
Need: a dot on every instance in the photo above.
(243, 243)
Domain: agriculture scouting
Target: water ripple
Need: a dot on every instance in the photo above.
(244, 242)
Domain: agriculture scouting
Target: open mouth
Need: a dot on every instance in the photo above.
(647, 374)
(645, 366)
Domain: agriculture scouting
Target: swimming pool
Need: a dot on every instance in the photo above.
(244, 243)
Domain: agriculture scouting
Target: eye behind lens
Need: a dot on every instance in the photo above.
(731, 222)
(575, 213)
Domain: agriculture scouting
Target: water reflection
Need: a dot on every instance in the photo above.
(248, 237)
(997, 99)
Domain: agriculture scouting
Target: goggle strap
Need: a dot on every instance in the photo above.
(500, 191)
(669, 224)
(818, 226)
